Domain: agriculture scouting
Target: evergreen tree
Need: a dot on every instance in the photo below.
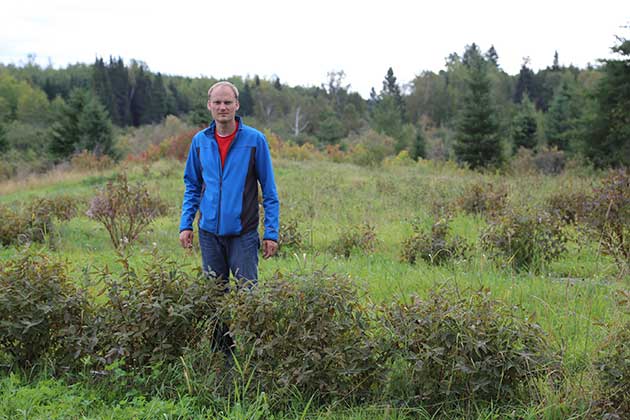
(477, 140)
(608, 142)
(556, 62)
(525, 84)
(140, 105)
(492, 56)
(102, 86)
(524, 126)
(121, 89)
(386, 117)
(563, 117)
(4, 143)
(65, 134)
(419, 149)
(246, 101)
(95, 129)
(157, 104)
(391, 88)
(182, 102)
(276, 83)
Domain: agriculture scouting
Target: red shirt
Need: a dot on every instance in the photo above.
(224, 143)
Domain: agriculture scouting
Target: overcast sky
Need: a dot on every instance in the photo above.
(301, 41)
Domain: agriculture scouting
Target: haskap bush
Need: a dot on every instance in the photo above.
(483, 198)
(152, 316)
(526, 239)
(42, 313)
(308, 333)
(22, 226)
(457, 347)
(435, 247)
(361, 237)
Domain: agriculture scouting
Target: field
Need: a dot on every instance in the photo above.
(353, 223)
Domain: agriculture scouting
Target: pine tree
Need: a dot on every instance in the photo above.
(102, 87)
(140, 105)
(608, 142)
(525, 84)
(477, 140)
(492, 56)
(419, 149)
(121, 89)
(524, 126)
(391, 88)
(246, 101)
(65, 134)
(95, 129)
(4, 143)
(563, 117)
(157, 105)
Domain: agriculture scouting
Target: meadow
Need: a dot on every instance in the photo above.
(354, 224)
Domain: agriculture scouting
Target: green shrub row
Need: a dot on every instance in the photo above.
(312, 333)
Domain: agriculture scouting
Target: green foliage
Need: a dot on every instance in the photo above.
(61, 207)
(463, 347)
(370, 148)
(478, 143)
(290, 238)
(361, 237)
(524, 126)
(568, 206)
(40, 308)
(153, 316)
(608, 140)
(125, 210)
(563, 118)
(526, 239)
(21, 226)
(613, 365)
(483, 198)
(434, 247)
(608, 216)
(309, 333)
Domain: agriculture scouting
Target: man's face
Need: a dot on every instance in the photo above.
(223, 104)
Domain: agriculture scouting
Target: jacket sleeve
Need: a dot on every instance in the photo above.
(271, 204)
(193, 182)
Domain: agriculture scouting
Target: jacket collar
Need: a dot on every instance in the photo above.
(210, 130)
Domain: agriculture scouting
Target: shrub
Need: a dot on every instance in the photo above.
(361, 237)
(550, 161)
(483, 198)
(21, 226)
(454, 349)
(62, 207)
(568, 206)
(433, 247)
(527, 239)
(290, 238)
(613, 365)
(125, 210)
(88, 161)
(608, 216)
(41, 311)
(153, 317)
(309, 333)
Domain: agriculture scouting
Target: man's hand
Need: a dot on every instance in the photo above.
(269, 248)
(186, 238)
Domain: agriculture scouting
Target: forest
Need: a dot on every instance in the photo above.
(471, 112)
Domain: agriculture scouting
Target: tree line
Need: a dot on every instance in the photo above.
(472, 111)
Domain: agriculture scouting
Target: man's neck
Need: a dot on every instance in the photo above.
(226, 128)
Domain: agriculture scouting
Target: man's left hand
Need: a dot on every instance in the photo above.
(269, 248)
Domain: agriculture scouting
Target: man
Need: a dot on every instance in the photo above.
(225, 164)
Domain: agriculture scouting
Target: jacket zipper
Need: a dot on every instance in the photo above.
(221, 177)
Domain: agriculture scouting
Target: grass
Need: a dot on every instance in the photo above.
(573, 298)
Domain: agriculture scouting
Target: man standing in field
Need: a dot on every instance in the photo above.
(226, 162)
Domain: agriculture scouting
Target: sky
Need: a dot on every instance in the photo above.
(302, 41)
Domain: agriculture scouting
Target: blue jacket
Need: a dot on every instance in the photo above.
(227, 197)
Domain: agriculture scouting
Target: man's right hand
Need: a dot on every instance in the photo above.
(186, 238)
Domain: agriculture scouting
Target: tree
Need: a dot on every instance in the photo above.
(524, 126)
(158, 100)
(525, 83)
(477, 141)
(140, 105)
(4, 143)
(246, 101)
(419, 149)
(608, 140)
(102, 87)
(65, 135)
(492, 56)
(563, 117)
(391, 88)
(121, 89)
(95, 129)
